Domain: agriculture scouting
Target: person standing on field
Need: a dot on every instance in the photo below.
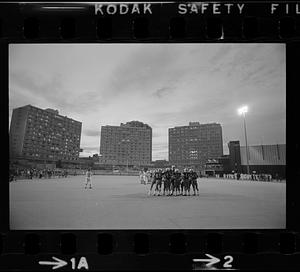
(88, 179)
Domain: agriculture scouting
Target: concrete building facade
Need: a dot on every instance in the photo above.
(194, 144)
(43, 135)
(128, 144)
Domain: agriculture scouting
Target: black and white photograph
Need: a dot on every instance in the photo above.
(147, 136)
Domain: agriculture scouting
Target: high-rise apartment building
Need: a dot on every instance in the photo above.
(127, 144)
(38, 134)
(194, 144)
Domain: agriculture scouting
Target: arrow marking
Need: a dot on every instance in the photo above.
(212, 260)
(58, 264)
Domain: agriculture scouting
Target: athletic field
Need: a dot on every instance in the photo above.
(121, 202)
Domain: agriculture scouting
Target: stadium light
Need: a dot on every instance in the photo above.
(242, 111)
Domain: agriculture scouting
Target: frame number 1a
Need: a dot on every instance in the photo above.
(81, 264)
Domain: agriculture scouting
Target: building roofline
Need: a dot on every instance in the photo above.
(259, 145)
(29, 105)
(196, 125)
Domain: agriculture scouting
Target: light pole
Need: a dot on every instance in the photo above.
(242, 111)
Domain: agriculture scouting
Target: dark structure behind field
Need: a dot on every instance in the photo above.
(263, 159)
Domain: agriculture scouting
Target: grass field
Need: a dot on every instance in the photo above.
(121, 202)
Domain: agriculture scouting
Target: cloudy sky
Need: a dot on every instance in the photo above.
(163, 85)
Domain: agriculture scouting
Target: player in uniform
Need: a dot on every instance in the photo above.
(182, 182)
(186, 182)
(177, 179)
(88, 179)
(172, 179)
(153, 181)
(166, 181)
(148, 176)
(158, 182)
(141, 174)
(190, 179)
(194, 177)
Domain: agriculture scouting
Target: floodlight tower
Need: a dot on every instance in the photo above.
(242, 111)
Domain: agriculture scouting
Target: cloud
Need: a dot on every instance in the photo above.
(52, 92)
(50, 88)
(221, 53)
(159, 147)
(160, 155)
(163, 85)
(155, 134)
(91, 132)
(144, 69)
(163, 91)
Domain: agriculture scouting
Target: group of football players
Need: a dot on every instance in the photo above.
(171, 181)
